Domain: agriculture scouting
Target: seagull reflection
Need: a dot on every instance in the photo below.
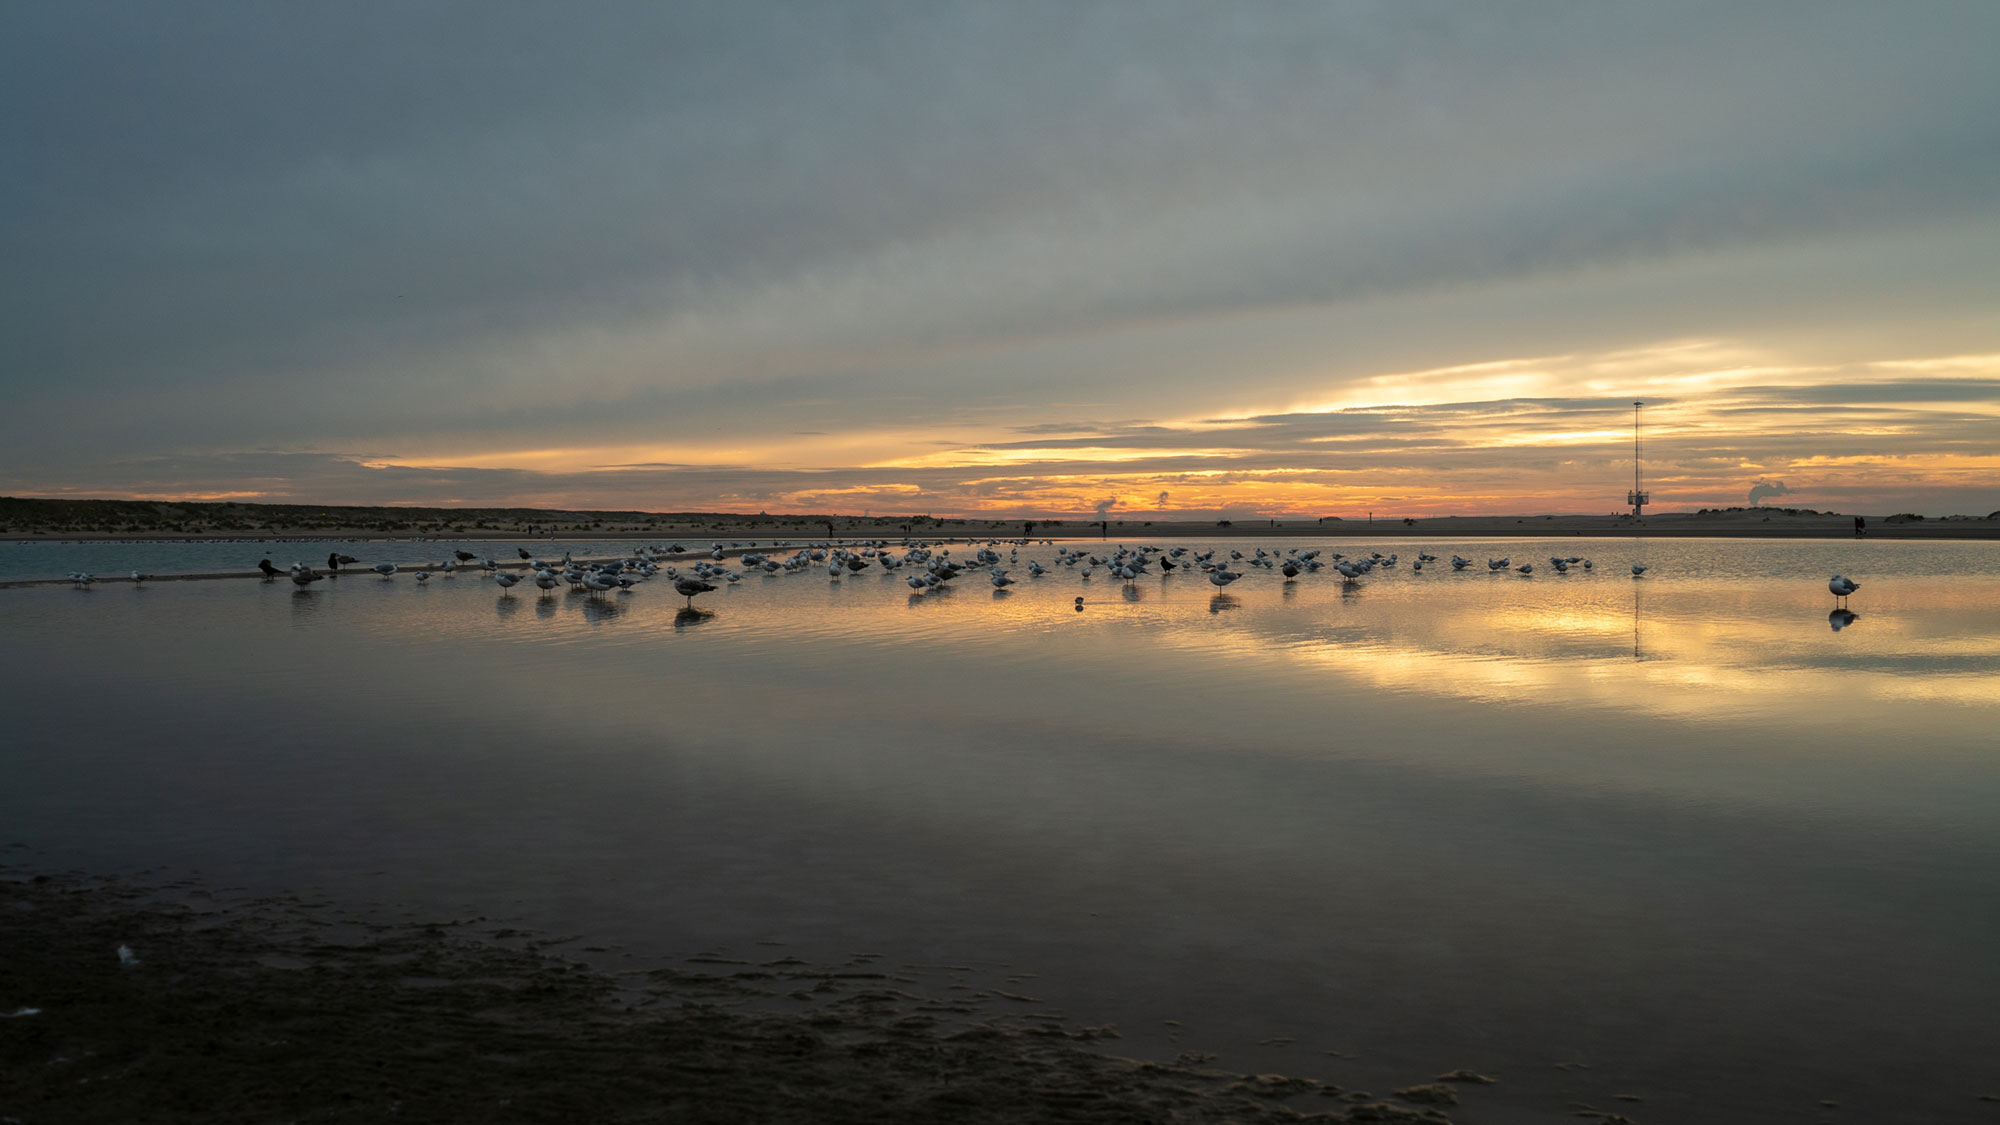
(1841, 618)
(688, 615)
(1636, 654)
(1220, 602)
(1132, 593)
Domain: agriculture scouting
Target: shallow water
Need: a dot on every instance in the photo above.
(114, 559)
(1678, 828)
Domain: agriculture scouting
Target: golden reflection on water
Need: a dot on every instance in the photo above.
(1667, 645)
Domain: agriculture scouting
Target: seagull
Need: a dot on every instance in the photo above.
(138, 578)
(689, 587)
(507, 580)
(305, 576)
(384, 569)
(465, 556)
(1841, 587)
(1638, 569)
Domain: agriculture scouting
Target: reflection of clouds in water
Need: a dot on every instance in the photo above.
(1581, 644)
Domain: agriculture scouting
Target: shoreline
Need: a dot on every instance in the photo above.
(1506, 527)
(1462, 528)
(126, 1000)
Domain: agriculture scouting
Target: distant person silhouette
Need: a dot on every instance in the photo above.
(1860, 527)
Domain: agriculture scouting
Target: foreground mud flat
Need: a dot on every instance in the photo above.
(131, 1002)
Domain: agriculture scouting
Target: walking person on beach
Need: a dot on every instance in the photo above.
(1860, 526)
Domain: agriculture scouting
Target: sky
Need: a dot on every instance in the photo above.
(1024, 259)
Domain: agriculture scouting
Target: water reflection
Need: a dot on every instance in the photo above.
(1841, 618)
(1561, 810)
(1637, 654)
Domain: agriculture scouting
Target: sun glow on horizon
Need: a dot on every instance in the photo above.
(1518, 435)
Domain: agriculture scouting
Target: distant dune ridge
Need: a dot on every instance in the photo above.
(35, 518)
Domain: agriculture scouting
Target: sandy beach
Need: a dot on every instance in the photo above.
(126, 1001)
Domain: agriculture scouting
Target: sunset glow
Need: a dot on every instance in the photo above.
(1252, 292)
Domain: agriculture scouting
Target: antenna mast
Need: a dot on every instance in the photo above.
(1637, 497)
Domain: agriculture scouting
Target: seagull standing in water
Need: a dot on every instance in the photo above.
(688, 587)
(1841, 587)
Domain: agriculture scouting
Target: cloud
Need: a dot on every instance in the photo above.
(1762, 489)
(1105, 506)
(790, 247)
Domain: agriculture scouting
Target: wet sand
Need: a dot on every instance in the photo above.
(288, 1009)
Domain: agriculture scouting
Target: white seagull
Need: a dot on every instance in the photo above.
(1841, 587)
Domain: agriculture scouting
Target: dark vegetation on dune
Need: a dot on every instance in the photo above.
(59, 517)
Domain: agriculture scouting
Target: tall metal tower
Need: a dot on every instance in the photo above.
(1637, 497)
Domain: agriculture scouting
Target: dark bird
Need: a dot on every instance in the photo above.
(270, 572)
(465, 556)
(689, 587)
(524, 552)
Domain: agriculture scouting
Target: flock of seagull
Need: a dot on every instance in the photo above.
(930, 566)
